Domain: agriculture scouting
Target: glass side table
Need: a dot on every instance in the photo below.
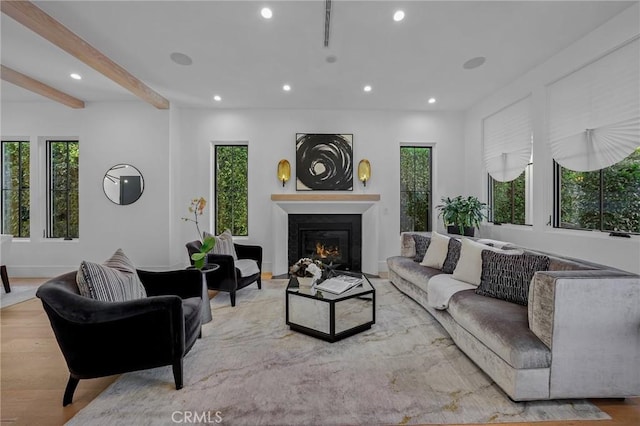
(329, 316)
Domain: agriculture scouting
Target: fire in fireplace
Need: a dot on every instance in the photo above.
(327, 252)
(334, 239)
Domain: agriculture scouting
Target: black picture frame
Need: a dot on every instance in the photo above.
(324, 162)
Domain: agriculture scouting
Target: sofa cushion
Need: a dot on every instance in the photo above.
(421, 245)
(507, 277)
(411, 271)
(116, 280)
(441, 288)
(436, 252)
(501, 326)
(247, 267)
(224, 244)
(453, 255)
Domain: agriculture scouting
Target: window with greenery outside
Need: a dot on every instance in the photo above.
(63, 197)
(232, 189)
(508, 200)
(415, 188)
(16, 218)
(605, 200)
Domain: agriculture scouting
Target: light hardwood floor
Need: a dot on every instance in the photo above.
(34, 374)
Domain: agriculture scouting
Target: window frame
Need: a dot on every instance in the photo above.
(49, 229)
(528, 198)
(557, 203)
(21, 188)
(215, 146)
(429, 213)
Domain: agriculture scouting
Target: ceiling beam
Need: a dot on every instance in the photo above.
(41, 23)
(26, 82)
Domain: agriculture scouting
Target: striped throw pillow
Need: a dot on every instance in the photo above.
(116, 280)
(224, 244)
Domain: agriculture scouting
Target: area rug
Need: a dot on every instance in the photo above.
(19, 293)
(250, 369)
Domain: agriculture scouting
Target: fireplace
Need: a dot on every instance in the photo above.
(331, 238)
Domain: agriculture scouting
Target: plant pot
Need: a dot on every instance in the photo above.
(468, 232)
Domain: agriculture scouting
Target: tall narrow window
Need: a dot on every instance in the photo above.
(510, 201)
(62, 190)
(415, 188)
(15, 188)
(606, 200)
(232, 189)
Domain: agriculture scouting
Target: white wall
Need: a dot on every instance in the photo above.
(109, 133)
(270, 134)
(172, 149)
(594, 246)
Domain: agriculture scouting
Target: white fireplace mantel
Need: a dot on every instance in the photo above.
(364, 204)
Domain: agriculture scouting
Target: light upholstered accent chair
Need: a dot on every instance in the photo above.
(235, 272)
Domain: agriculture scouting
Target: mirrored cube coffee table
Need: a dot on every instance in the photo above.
(329, 316)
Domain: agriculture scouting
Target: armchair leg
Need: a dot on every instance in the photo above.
(233, 298)
(5, 279)
(177, 373)
(68, 392)
(259, 283)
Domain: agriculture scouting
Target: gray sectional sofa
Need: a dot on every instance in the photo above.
(578, 336)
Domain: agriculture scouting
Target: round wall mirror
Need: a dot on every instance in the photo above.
(123, 184)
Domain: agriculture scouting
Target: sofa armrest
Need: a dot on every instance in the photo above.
(245, 251)
(590, 319)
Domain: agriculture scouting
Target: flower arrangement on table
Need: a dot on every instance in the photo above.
(197, 208)
(302, 267)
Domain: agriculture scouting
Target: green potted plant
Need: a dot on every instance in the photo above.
(196, 208)
(462, 215)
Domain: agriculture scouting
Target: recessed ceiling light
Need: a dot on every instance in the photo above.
(75, 76)
(474, 62)
(367, 88)
(181, 58)
(266, 13)
(217, 98)
(432, 100)
(398, 15)
(286, 87)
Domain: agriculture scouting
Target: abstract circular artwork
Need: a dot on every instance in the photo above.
(324, 162)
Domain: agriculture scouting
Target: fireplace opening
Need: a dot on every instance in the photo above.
(327, 246)
(333, 239)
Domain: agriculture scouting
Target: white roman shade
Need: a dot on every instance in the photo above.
(594, 112)
(507, 140)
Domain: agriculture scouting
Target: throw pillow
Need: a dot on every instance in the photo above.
(116, 280)
(507, 277)
(224, 244)
(453, 254)
(436, 252)
(469, 267)
(422, 243)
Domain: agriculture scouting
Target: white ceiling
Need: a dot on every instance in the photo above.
(246, 59)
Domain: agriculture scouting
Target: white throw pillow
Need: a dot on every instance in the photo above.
(437, 251)
(224, 244)
(469, 267)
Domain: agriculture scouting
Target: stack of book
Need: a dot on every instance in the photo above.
(339, 284)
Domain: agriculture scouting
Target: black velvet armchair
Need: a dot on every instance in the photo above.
(99, 338)
(229, 277)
